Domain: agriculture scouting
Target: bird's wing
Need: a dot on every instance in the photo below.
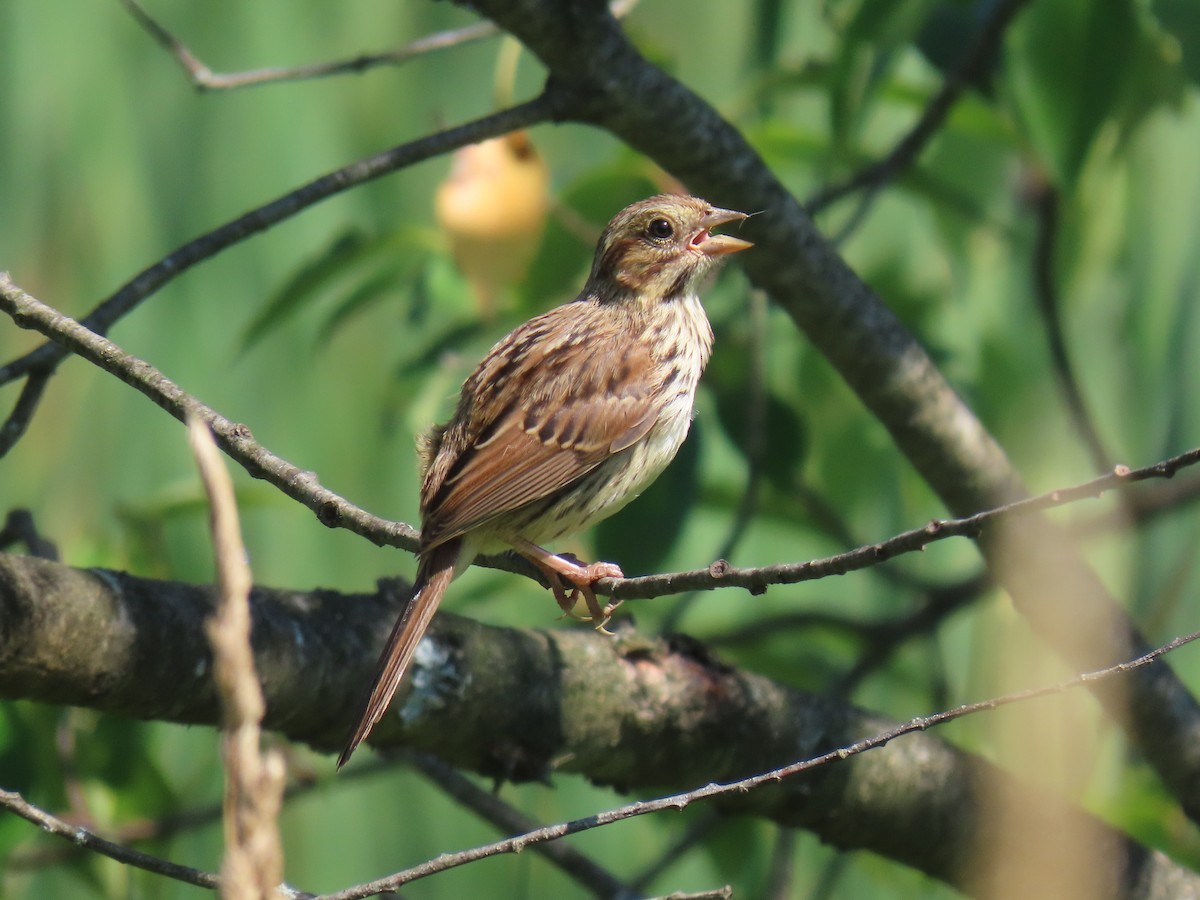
(584, 396)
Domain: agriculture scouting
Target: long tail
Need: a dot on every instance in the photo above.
(434, 574)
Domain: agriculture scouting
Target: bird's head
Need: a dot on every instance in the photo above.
(658, 248)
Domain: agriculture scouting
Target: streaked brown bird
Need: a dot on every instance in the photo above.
(566, 420)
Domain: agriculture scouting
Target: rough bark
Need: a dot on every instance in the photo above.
(641, 714)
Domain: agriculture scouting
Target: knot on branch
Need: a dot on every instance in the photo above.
(719, 568)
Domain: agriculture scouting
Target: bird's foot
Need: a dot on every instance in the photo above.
(597, 615)
(564, 596)
(569, 579)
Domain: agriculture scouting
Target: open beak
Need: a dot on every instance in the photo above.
(719, 244)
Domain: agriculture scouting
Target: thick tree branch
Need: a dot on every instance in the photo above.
(1112, 880)
(615, 88)
(520, 705)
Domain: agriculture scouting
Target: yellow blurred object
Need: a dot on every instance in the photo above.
(493, 207)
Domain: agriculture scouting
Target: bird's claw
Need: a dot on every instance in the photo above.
(581, 581)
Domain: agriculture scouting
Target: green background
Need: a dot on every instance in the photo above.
(109, 159)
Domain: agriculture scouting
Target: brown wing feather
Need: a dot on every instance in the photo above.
(583, 403)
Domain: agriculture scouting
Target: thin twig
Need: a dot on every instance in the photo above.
(683, 800)
(826, 517)
(234, 439)
(974, 64)
(205, 79)
(757, 580)
(154, 829)
(81, 837)
(22, 413)
(1045, 290)
(509, 820)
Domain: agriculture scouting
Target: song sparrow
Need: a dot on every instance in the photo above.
(566, 420)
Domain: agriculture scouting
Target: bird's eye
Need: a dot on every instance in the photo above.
(660, 229)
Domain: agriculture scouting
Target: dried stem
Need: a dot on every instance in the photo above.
(253, 865)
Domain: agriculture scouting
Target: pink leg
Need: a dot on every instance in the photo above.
(580, 577)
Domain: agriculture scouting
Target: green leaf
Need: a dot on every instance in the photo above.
(306, 284)
(368, 263)
(872, 42)
(375, 287)
(1078, 66)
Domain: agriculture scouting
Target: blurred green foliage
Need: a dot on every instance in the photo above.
(340, 334)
